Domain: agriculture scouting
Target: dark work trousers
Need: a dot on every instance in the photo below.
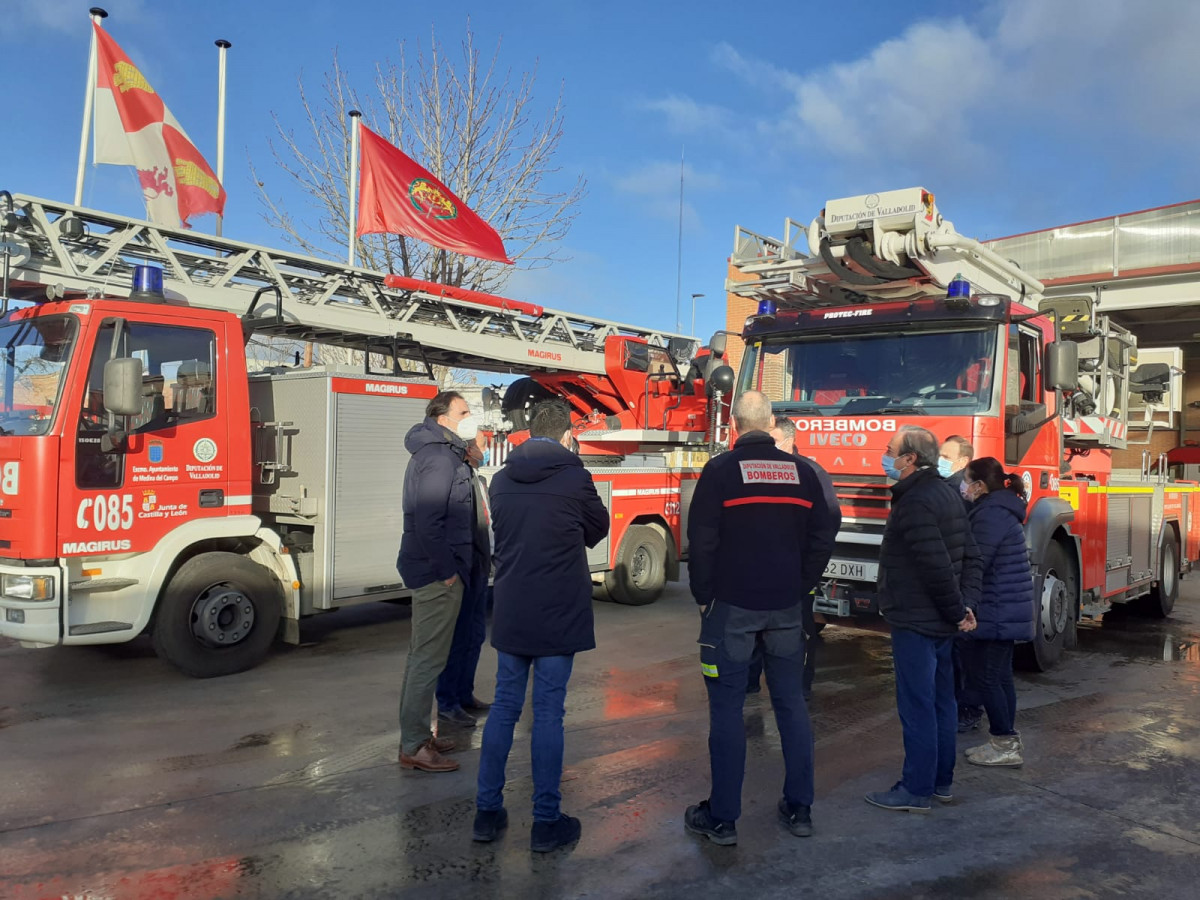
(990, 675)
(969, 704)
(928, 713)
(456, 685)
(811, 640)
(727, 637)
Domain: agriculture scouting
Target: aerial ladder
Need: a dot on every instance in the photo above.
(55, 249)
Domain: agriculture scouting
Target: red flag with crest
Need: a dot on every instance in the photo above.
(135, 128)
(397, 196)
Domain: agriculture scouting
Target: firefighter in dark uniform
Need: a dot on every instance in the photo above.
(760, 538)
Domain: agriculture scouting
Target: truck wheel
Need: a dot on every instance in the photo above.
(640, 573)
(218, 615)
(1056, 599)
(1161, 599)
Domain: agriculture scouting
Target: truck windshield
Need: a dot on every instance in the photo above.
(36, 353)
(924, 372)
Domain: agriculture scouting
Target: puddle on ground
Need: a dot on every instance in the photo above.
(1138, 639)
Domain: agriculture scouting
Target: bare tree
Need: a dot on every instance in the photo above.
(473, 127)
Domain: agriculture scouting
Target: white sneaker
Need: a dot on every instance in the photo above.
(1001, 750)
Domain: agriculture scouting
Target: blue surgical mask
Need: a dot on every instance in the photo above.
(945, 468)
(889, 467)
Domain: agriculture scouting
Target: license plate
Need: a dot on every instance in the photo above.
(858, 571)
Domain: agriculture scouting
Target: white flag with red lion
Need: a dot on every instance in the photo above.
(135, 128)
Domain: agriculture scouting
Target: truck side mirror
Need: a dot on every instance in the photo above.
(1062, 365)
(717, 344)
(721, 380)
(123, 386)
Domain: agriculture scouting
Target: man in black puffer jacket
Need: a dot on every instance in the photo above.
(436, 555)
(929, 580)
(545, 514)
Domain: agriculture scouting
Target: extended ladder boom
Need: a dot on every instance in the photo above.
(889, 246)
(72, 250)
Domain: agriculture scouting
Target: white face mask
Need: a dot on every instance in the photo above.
(467, 428)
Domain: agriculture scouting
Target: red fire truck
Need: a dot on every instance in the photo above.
(150, 483)
(892, 318)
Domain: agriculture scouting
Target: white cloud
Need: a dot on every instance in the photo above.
(663, 177)
(20, 17)
(1105, 64)
(955, 97)
(907, 96)
(683, 115)
(54, 15)
(655, 187)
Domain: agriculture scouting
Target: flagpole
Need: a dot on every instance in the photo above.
(89, 98)
(222, 46)
(355, 115)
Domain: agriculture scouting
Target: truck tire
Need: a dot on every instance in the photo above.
(640, 572)
(1161, 599)
(218, 615)
(519, 399)
(1055, 606)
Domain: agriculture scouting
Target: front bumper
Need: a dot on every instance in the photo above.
(846, 599)
(35, 623)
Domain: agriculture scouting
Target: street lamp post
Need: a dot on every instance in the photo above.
(695, 297)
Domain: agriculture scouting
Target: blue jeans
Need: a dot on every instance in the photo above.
(928, 711)
(989, 672)
(727, 637)
(456, 684)
(550, 677)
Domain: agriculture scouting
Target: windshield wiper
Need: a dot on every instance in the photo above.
(903, 408)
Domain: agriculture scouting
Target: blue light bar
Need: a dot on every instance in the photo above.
(959, 287)
(147, 280)
(766, 307)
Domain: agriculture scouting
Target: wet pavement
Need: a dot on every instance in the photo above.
(123, 779)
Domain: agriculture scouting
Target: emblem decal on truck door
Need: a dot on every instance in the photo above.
(205, 450)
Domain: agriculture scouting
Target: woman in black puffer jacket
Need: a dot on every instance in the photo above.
(1005, 612)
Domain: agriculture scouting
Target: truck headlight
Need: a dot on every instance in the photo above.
(28, 587)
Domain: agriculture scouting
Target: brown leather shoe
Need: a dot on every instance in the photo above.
(443, 745)
(427, 759)
(440, 744)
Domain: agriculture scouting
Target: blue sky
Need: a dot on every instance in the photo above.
(1018, 114)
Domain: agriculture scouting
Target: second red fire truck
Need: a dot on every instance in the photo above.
(892, 318)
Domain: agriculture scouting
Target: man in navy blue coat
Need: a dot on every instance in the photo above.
(436, 553)
(759, 537)
(545, 514)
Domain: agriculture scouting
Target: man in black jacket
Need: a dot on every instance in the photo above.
(759, 541)
(436, 555)
(929, 579)
(545, 514)
(784, 434)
